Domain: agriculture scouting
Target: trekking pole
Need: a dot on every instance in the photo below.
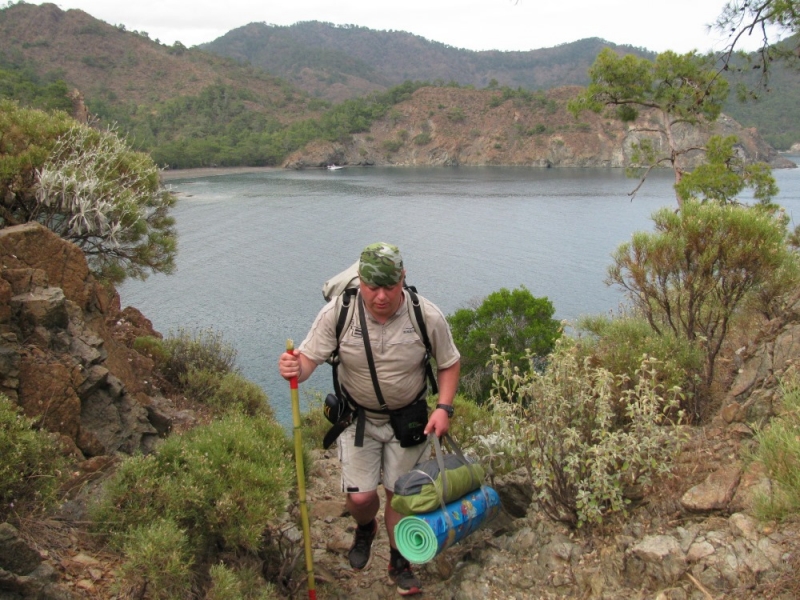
(301, 478)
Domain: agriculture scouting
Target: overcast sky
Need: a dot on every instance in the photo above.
(680, 25)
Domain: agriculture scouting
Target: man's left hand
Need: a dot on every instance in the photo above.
(438, 423)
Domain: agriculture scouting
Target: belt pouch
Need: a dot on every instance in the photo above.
(408, 423)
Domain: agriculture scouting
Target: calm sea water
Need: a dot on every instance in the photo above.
(254, 249)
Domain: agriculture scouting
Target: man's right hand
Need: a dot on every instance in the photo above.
(289, 366)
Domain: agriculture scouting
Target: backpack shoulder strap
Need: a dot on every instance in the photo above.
(418, 321)
(345, 307)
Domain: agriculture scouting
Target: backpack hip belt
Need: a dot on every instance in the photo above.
(360, 413)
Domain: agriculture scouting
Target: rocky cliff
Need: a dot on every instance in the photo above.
(455, 126)
(63, 356)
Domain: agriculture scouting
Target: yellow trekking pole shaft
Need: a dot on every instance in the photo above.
(301, 479)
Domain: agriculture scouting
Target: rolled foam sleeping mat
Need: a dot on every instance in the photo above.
(421, 537)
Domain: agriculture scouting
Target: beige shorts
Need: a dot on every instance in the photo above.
(379, 460)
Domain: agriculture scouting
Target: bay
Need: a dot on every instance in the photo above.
(255, 248)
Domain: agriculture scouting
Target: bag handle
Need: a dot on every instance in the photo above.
(470, 467)
(437, 445)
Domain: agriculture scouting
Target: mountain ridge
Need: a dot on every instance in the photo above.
(192, 108)
(112, 66)
(385, 58)
(323, 57)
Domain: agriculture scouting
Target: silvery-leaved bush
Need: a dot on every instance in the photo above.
(583, 434)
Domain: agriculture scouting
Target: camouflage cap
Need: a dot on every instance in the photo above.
(380, 265)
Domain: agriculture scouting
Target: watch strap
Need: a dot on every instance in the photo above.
(448, 408)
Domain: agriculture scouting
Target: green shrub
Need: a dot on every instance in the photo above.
(515, 321)
(618, 344)
(31, 465)
(693, 275)
(244, 584)
(237, 393)
(222, 483)
(394, 116)
(456, 114)
(158, 558)
(470, 422)
(392, 145)
(200, 385)
(224, 584)
(559, 425)
(779, 451)
(421, 139)
(90, 188)
(771, 296)
(153, 348)
(225, 392)
(200, 350)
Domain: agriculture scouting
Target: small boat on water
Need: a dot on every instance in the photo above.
(334, 167)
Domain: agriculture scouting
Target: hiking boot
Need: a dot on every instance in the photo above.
(400, 573)
(359, 554)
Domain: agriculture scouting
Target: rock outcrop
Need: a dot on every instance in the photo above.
(455, 126)
(764, 362)
(23, 573)
(61, 355)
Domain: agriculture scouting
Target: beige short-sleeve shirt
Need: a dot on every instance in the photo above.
(397, 349)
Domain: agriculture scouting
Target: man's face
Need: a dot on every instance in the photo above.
(382, 301)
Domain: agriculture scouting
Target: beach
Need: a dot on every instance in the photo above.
(172, 174)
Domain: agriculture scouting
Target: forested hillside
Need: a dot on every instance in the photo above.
(775, 111)
(188, 107)
(269, 96)
(123, 68)
(340, 62)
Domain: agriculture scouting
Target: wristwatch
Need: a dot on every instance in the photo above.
(446, 408)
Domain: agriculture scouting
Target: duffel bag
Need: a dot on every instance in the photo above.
(436, 482)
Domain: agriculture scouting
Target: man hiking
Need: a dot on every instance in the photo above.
(382, 376)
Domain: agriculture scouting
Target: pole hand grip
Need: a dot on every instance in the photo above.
(290, 349)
